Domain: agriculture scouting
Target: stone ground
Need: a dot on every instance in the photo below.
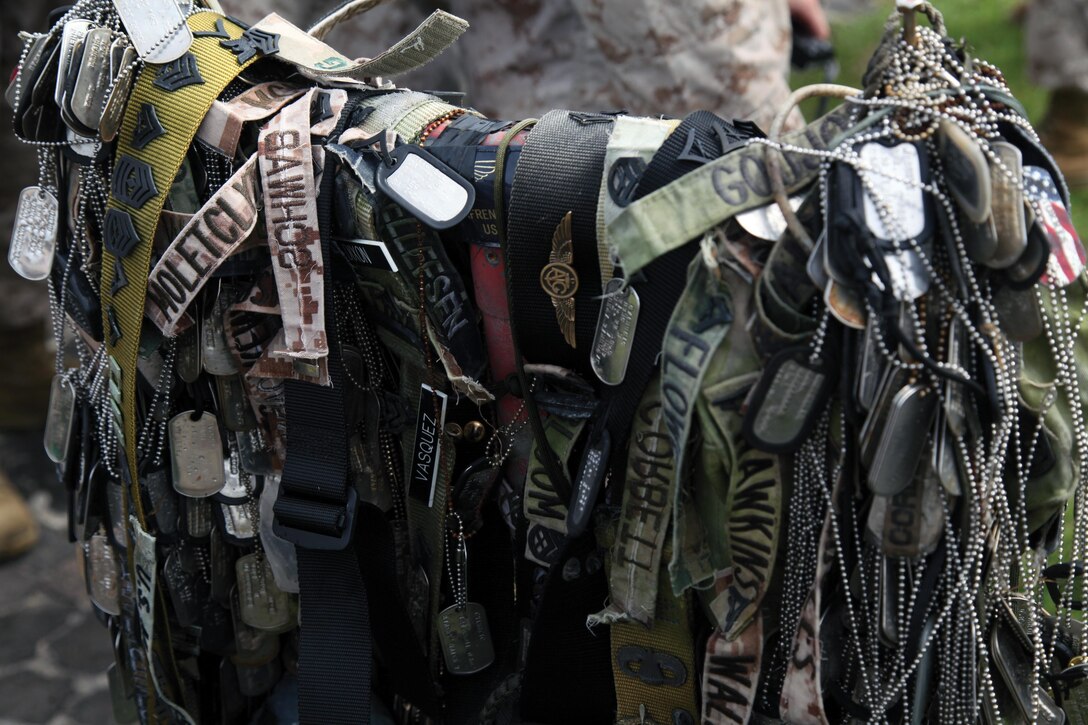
(53, 652)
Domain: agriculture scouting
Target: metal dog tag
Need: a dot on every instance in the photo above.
(767, 222)
(588, 485)
(233, 491)
(1019, 314)
(103, 574)
(254, 453)
(870, 368)
(217, 357)
(980, 240)
(614, 339)
(787, 401)
(945, 463)
(189, 359)
(261, 603)
(815, 266)
(156, 28)
(238, 525)
(92, 78)
(913, 518)
(966, 171)
(122, 695)
(427, 189)
(123, 75)
(1009, 217)
(898, 179)
(910, 419)
(181, 588)
(34, 236)
(252, 645)
(115, 504)
(955, 399)
(59, 421)
(71, 36)
(845, 305)
(196, 454)
(164, 503)
(872, 431)
(466, 639)
(234, 403)
(198, 517)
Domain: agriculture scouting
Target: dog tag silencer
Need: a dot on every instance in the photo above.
(614, 339)
(156, 28)
(196, 454)
(966, 171)
(428, 189)
(60, 418)
(787, 401)
(466, 639)
(1010, 219)
(34, 236)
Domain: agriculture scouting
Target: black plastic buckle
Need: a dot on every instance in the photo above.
(317, 541)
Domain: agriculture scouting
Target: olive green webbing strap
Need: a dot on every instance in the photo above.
(144, 170)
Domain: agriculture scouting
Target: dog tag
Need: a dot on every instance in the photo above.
(234, 403)
(870, 368)
(910, 419)
(261, 603)
(1010, 222)
(889, 605)
(238, 525)
(815, 266)
(944, 460)
(196, 454)
(103, 574)
(767, 222)
(913, 518)
(216, 354)
(156, 28)
(181, 588)
(92, 78)
(72, 35)
(873, 429)
(122, 695)
(466, 639)
(116, 505)
(1019, 314)
(121, 87)
(980, 240)
(955, 401)
(233, 491)
(427, 189)
(907, 274)
(189, 358)
(279, 553)
(198, 517)
(898, 183)
(787, 401)
(254, 454)
(590, 477)
(1033, 263)
(221, 569)
(252, 646)
(845, 305)
(1053, 219)
(59, 421)
(164, 504)
(614, 339)
(34, 236)
(966, 171)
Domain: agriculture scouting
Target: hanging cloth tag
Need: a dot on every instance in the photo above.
(203, 244)
(290, 206)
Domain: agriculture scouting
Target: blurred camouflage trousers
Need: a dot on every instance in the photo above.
(1057, 43)
(521, 58)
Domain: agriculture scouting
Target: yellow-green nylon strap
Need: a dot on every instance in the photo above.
(180, 112)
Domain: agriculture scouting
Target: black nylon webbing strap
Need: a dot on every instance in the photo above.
(701, 137)
(316, 510)
(559, 171)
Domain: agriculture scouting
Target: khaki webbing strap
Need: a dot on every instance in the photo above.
(197, 78)
(654, 668)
